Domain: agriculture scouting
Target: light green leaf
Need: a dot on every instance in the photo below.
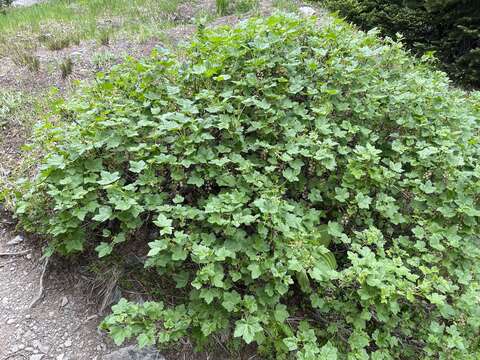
(157, 246)
(363, 201)
(108, 178)
(104, 213)
(328, 352)
(137, 166)
(104, 249)
(255, 270)
(247, 328)
(291, 343)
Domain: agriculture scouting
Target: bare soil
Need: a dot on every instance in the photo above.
(63, 324)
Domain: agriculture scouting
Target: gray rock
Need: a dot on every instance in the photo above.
(64, 301)
(306, 11)
(38, 345)
(16, 240)
(132, 353)
(36, 357)
(25, 2)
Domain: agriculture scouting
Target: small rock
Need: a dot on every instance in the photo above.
(10, 321)
(25, 2)
(307, 11)
(60, 357)
(38, 345)
(36, 357)
(132, 353)
(64, 301)
(68, 343)
(16, 240)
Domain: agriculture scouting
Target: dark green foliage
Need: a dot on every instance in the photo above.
(315, 192)
(451, 28)
(5, 3)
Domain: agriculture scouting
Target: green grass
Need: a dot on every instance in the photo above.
(87, 18)
(9, 102)
(19, 112)
(285, 5)
(222, 6)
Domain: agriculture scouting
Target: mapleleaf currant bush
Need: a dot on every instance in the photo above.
(311, 191)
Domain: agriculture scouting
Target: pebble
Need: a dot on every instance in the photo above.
(16, 240)
(36, 357)
(131, 352)
(17, 348)
(43, 348)
(306, 11)
(10, 321)
(64, 301)
(68, 343)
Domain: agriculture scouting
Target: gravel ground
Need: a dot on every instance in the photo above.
(62, 325)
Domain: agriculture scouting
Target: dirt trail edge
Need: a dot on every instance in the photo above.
(61, 326)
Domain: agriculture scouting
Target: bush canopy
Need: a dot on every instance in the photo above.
(311, 191)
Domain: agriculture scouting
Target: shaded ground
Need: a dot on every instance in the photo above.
(63, 325)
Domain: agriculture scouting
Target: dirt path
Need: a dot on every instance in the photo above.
(63, 325)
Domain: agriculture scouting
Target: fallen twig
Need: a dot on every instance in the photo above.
(15, 253)
(40, 289)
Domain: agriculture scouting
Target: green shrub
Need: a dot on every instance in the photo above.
(451, 28)
(314, 192)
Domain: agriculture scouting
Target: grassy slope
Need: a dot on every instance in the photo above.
(86, 18)
(36, 41)
(57, 25)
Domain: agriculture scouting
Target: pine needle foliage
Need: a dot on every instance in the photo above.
(448, 28)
